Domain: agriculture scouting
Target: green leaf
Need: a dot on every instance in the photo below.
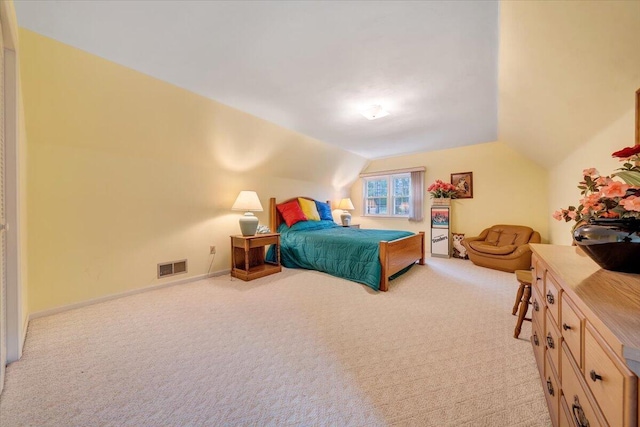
(630, 177)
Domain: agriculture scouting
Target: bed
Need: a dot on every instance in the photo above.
(371, 257)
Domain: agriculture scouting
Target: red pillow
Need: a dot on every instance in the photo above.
(291, 212)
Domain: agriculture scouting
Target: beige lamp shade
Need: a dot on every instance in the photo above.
(345, 216)
(345, 204)
(248, 201)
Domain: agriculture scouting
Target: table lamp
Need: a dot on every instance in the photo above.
(249, 202)
(346, 206)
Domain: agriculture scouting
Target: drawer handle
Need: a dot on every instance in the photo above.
(566, 327)
(535, 339)
(550, 342)
(550, 298)
(536, 306)
(550, 386)
(578, 413)
(594, 377)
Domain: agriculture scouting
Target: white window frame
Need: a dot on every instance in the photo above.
(390, 197)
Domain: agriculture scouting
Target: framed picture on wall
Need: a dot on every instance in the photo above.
(464, 183)
(440, 217)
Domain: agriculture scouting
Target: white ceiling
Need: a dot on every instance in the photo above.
(308, 66)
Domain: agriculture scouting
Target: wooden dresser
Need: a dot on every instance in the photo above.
(586, 338)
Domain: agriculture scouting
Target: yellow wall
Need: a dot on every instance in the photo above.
(127, 171)
(596, 152)
(568, 74)
(507, 189)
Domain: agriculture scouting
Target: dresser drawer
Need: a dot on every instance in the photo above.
(552, 391)
(537, 341)
(538, 306)
(552, 340)
(552, 297)
(537, 275)
(579, 399)
(613, 385)
(566, 417)
(572, 328)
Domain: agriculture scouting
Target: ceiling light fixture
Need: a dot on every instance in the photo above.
(374, 112)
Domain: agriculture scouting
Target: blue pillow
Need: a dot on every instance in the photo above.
(324, 210)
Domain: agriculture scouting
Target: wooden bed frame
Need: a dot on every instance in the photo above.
(395, 255)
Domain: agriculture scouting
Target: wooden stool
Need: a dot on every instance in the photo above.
(522, 298)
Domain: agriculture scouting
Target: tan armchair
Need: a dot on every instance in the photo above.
(502, 247)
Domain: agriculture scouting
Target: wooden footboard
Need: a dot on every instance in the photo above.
(398, 254)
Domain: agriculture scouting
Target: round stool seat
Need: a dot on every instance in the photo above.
(524, 276)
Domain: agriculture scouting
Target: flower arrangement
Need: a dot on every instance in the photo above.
(606, 198)
(441, 189)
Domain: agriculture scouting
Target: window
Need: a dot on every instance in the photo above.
(388, 195)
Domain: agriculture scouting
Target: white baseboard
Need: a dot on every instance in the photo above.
(63, 308)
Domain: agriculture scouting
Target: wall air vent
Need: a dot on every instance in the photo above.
(170, 268)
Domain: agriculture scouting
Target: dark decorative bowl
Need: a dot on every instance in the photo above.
(614, 244)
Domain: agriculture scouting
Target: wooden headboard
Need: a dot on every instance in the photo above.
(275, 219)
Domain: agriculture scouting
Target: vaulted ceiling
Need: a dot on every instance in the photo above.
(309, 66)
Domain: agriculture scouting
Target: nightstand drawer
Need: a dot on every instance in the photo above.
(263, 241)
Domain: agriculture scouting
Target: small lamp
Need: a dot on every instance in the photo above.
(248, 201)
(345, 205)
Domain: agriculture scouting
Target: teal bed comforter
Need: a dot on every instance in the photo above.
(350, 253)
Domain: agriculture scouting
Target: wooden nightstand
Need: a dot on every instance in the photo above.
(247, 256)
(352, 226)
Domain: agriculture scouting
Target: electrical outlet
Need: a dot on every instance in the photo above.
(212, 250)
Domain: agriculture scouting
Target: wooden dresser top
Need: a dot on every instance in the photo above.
(608, 299)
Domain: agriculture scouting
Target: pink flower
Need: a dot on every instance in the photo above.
(604, 197)
(591, 200)
(631, 203)
(615, 189)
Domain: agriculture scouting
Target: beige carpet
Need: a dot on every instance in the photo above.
(295, 348)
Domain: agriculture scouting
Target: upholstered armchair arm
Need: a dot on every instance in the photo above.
(535, 238)
(520, 250)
